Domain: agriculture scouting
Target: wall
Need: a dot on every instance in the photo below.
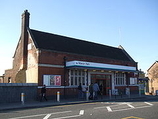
(52, 63)
(64, 92)
(32, 63)
(57, 58)
(153, 78)
(11, 92)
(133, 89)
(17, 73)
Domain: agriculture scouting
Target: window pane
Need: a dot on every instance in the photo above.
(76, 81)
(79, 73)
(79, 80)
(75, 72)
(71, 72)
(72, 82)
(83, 80)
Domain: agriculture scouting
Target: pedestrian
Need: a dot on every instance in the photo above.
(43, 93)
(91, 91)
(84, 90)
(96, 90)
(80, 92)
(101, 90)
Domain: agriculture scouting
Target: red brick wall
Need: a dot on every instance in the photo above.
(50, 57)
(50, 71)
(51, 93)
(57, 58)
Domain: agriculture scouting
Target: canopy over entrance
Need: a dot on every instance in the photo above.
(92, 65)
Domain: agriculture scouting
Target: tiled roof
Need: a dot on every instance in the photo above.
(60, 43)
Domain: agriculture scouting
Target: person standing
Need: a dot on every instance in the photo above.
(84, 90)
(91, 91)
(101, 90)
(80, 93)
(43, 93)
(96, 89)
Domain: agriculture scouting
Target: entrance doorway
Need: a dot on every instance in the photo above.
(104, 82)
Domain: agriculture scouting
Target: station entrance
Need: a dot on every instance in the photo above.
(104, 82)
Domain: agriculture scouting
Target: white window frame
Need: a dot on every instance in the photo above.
(120, 79)
(133, 81)
(77, 76)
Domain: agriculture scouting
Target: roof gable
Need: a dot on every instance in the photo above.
(60, 43)
(153, 65)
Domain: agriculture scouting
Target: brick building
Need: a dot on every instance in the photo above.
(61, 63)
(2, 79)
(152, 73)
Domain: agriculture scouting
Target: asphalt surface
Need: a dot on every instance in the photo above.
(134, 108)
(36, 104)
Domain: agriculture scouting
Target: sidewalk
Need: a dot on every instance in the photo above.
(37, 104)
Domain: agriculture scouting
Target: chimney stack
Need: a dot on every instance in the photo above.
(25, 21)
(24, 36)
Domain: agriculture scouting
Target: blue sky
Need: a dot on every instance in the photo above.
(130, 23)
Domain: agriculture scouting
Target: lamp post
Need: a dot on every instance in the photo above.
(64, 74)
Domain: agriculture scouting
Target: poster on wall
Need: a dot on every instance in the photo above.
(52, 80)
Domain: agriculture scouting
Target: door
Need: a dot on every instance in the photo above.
(104, 82)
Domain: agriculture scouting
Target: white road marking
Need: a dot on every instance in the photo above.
(148, 103)
(109, 109)
(119, 104)
(47, 116)
(130, 105)
(124, 103)
(40, 115)
(100, 107)
(81, 112)
(130, 108)
(111, 105)
(67, 117)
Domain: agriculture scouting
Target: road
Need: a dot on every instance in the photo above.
(97, 110)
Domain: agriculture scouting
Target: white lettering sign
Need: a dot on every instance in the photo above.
(99, 65)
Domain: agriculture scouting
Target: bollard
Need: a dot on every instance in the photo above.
(128, 92)
(139, 91)
(87, 95)
(58, 96)
(110, 94)
(22, 98)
